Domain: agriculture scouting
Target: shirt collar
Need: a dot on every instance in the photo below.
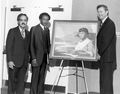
(42, 26)
(104, 19)
(21, 29)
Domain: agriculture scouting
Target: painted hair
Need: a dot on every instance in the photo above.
(84, 30)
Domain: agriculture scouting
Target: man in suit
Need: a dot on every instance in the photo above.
(106, 43)
(17, 50)
(39, 48)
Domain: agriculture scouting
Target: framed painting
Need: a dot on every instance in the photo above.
(74, 39)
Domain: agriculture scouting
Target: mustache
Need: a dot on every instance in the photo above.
(23, 23)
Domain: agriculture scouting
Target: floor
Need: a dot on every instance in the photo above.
(4, 91)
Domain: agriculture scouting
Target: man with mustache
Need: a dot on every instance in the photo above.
(17, 50)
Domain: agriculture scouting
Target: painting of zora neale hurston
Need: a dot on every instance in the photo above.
(74, 40)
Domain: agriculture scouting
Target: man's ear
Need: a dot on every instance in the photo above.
(107, 12)
(48, 25)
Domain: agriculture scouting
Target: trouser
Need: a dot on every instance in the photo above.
(106, 78)
(38, 78)
(16, 79)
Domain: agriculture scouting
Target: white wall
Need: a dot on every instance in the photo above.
(2, 14)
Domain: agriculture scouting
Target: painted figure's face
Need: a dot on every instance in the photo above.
(102, 13)
(44, 21)
(82, 35)
(22, 22)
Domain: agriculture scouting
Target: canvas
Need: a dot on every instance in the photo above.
(67, 42)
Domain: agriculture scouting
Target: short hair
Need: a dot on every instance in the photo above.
(104, 6)
(44, 14)
(84, 30)
(21, 14)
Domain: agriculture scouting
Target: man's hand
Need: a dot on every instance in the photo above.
(48, 61)
(98, 57)
(34, 63)
(11, 64)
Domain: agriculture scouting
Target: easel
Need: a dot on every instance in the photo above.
(76, 74)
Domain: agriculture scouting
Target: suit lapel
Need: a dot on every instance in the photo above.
(26, 38)
(19, 35)
(104, 23)
(39, 30)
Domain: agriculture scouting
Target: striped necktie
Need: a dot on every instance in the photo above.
(23, 34)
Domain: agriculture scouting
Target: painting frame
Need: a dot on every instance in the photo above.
(65, 40)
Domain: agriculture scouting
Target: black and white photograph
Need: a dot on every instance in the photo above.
(59, 47)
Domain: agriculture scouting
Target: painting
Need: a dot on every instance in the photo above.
(74, 39)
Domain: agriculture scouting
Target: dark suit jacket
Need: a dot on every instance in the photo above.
(17, 48)
(37, 43)
(106, 41)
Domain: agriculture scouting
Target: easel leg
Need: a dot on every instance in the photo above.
(76, 79)
(57, 77)
(84, 76)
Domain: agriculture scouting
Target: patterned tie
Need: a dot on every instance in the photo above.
(23, 34)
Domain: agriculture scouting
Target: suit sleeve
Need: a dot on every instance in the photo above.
(108, 35)
(9, 45)
(48, 42)
(32, 44)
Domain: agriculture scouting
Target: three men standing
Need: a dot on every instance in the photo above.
(17, 47)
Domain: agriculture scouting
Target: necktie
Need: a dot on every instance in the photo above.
(101, 24)
(45, 30)
(23, 34)
(44, 27)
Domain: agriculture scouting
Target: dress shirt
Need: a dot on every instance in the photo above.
(104, 20)
(43, 27)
